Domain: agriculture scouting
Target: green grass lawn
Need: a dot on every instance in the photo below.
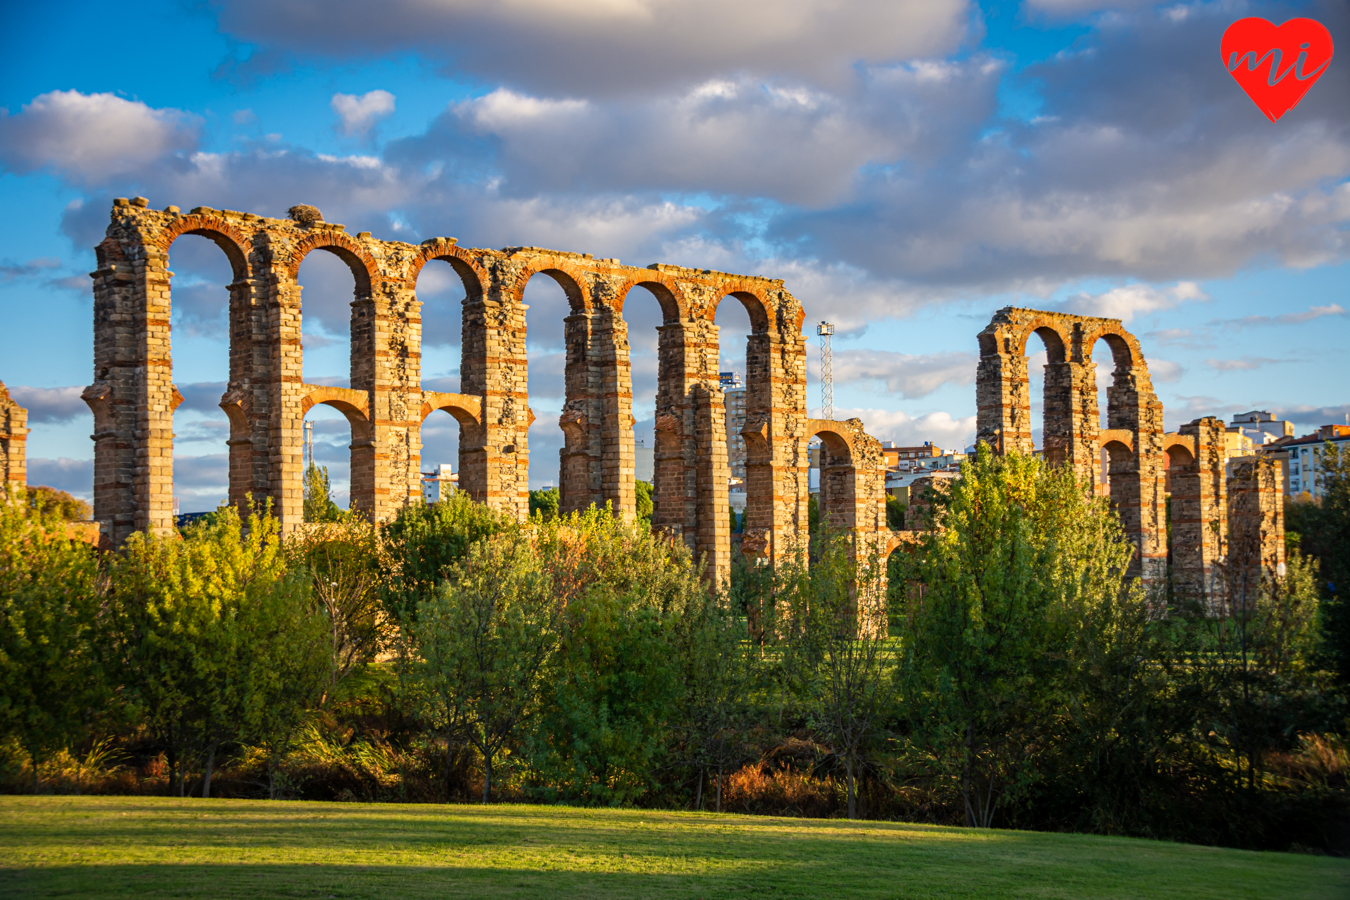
(112, 847)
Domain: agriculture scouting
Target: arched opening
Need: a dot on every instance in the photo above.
(443, 286)
(328, 292)
(556, 336)
(1180, 486)
(743, 368)
(1118, 411)
(1118, 461)
(200, 324)
(327, 462)
(836, 499)
(647, 309)
(1049, 396)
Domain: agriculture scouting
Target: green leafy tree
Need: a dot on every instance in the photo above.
(836, 653)
(643, 491)
(545, 502)
(895, 513)
(1322, 528)
(319, 505)
(50, 673)
(1015, 557)
(59, 503)
(484, 640)
(615, 683)
(195, 622)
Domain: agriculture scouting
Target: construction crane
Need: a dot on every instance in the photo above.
(825, 330)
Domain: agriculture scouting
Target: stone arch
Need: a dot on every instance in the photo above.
(838, 502)
(1125, 350)
(1057, 340)
(466, 267)
(364, 268)
(756, 306)
(354, 406)
(233, 242)
(572, 281)
(666, 294)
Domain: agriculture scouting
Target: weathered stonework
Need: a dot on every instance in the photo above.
(1255, 547)
(133, 396)
(13, 442)
(1196, 482)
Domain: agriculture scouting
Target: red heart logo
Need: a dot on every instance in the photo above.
(1276, 66)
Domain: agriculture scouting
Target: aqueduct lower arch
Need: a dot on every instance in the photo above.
(133, 395)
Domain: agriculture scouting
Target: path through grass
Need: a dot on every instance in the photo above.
(117, 847)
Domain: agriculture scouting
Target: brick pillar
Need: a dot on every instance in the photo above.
(238, 401)
(13, 442)
(1002, 395)
(112, 394)
(614, 384)
(389, 371)
(284, 415)
(1137, 480)
(494, 458)
(1199, 511)
(583, 420)
(1070, 436)
(152, 479)
(1255, 526)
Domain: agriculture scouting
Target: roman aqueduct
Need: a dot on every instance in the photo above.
(133, 395)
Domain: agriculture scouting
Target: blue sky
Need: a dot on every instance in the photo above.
(907, 167)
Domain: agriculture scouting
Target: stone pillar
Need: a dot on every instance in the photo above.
(1255, 527)
(1138, 482)
(1199, 511)
(1003, 402)
(285, 389)
(152, 481)
(494, 460)
(1071, 416)
(13, 442)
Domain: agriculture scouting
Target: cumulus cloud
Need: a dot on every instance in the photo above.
(909, 375)
(60, 404)
(73, 475)
(358, 114)
(1128, 301)
(612, 46)
(91, 137)
(909, 431)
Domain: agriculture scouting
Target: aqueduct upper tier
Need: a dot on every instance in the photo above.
(133, 395)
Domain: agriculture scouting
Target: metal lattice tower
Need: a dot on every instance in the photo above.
(309, 446)
(825, 329)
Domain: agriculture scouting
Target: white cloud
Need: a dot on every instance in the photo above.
(909, 375)
(92, 137)
(357, 115)
(50, 404)
(613, 46)
(909, 431)
(1128, 301)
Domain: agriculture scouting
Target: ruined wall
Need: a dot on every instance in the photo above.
(1199, 494)
(13, 442)
(1133, 440)
(1255, 547)
(133, 396)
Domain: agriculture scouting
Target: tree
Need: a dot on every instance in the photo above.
(1323, 530)
(484, 639)
(643, 492)
(545, 502)
(59, 503)
(344, 561)
(50, 673)
(319, 505)
(197, 623)
(1015, 557)
(841, 661)
(895, 513)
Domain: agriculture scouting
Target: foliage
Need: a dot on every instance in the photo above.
(643, 491)
(216, 639)
(1016, 558)
(344, 561)
(51, 678)
(615, 681)
(59, 503)
(319, 505)
(1322, 528)
(545, 502)
(895, 513)
(484, 640)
